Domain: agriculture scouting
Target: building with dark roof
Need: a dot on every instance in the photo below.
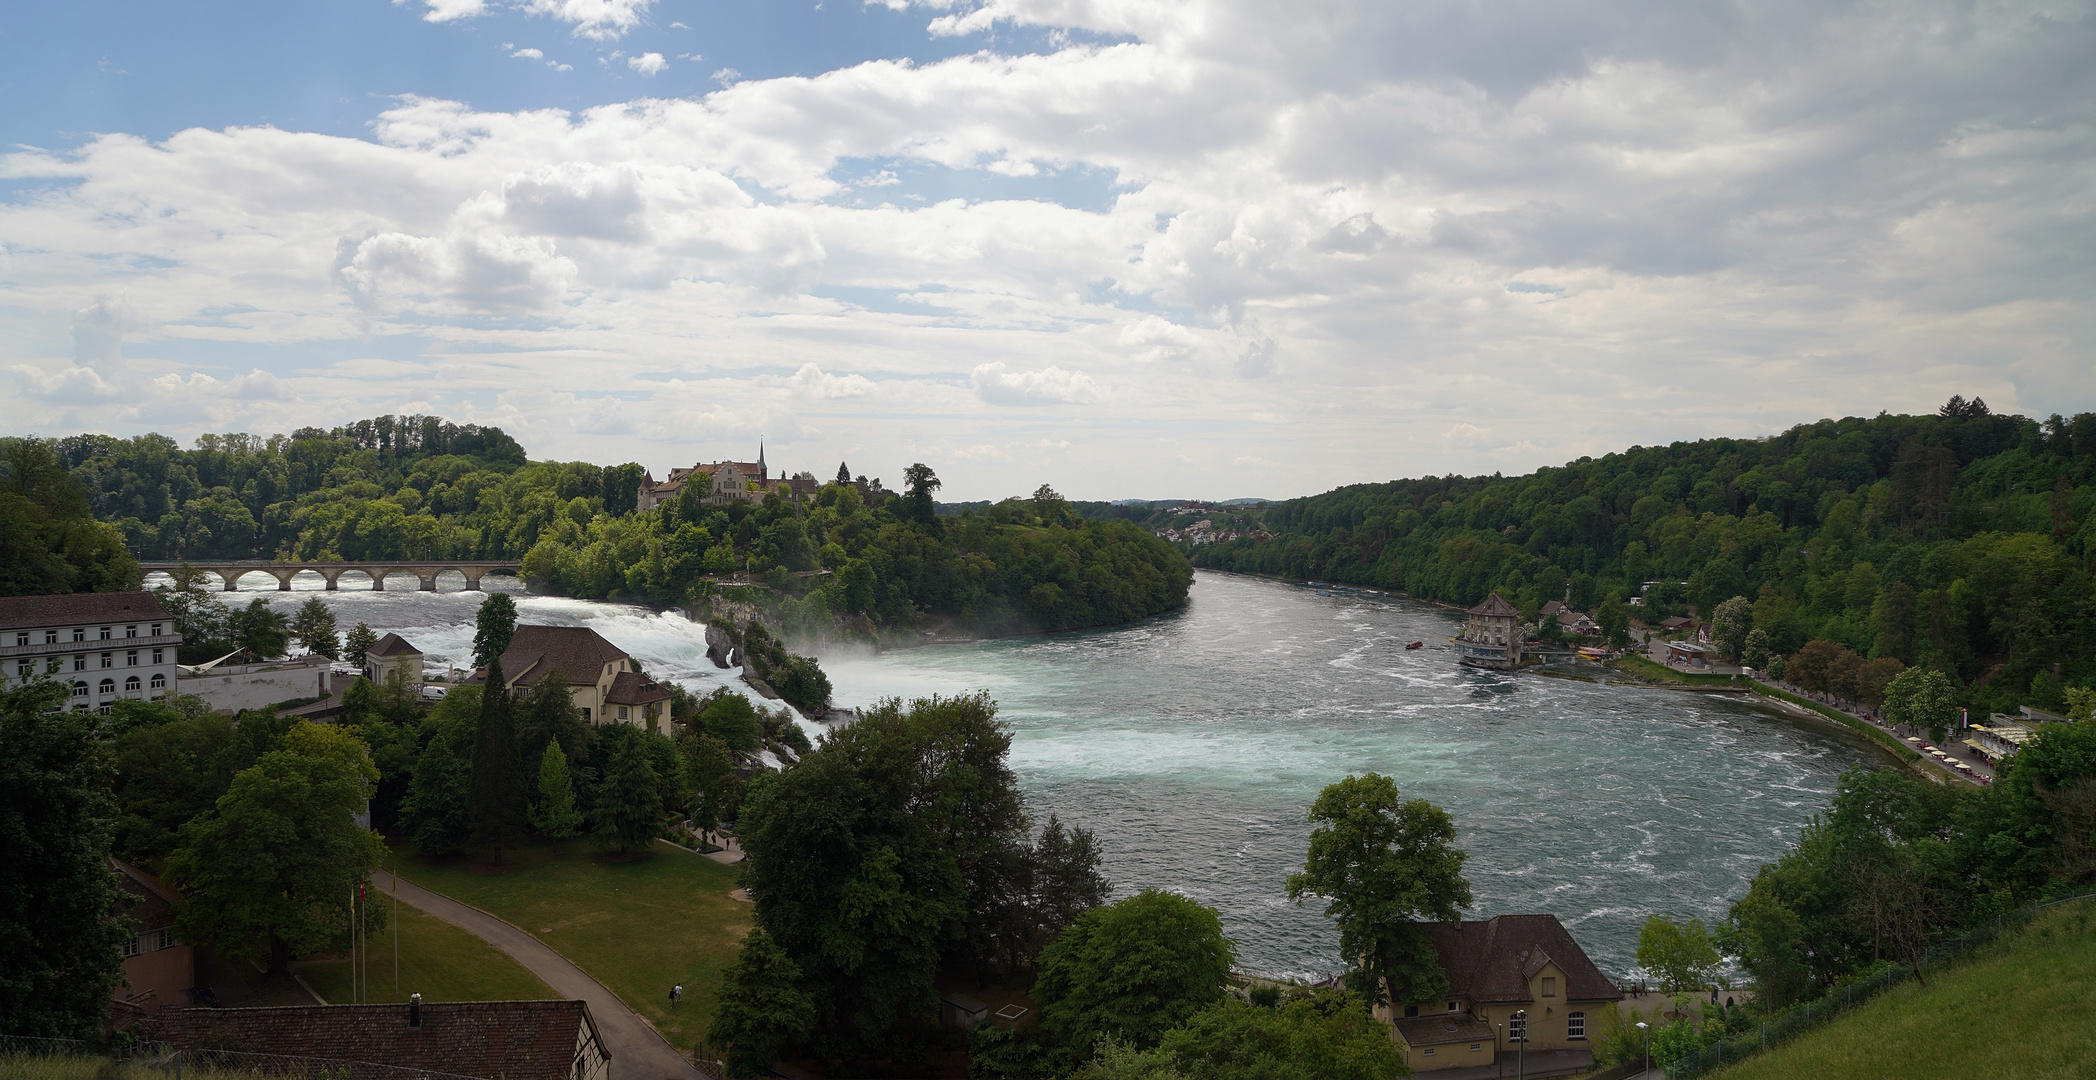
(392, 655)
(494, 1040)
(1496, 968)
(604, 682)
(105, 646)
(1491, 637)
(159, 968)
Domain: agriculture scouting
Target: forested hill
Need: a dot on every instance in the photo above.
(1961, 541)
(417, 487)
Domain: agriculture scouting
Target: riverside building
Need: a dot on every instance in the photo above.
(1491, 638)
(106, 647)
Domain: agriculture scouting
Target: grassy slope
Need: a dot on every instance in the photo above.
(637, 926)
(2020, 1010)
(437, 960)
(1643, 668)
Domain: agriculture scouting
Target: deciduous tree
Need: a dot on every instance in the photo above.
(1680, 953)
(314, 627)
(1132, 970)
(1385, 867)
(269, 871)
(58, 936)
(357, 642)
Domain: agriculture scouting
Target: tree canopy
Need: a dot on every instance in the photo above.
(1385, 867)
(1132, 970)
(269, 871)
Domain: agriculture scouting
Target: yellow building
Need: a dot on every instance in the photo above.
(1498, 967)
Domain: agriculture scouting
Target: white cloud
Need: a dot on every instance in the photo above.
(813, 382)
(451, 10)
(727, 76)
(647, 63)
(1050, 385)
(603, 20)
(99, 329)
(1421, 238)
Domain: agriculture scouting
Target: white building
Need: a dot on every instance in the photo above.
(106, 646)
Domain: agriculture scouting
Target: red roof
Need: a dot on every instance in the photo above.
(1491, 961)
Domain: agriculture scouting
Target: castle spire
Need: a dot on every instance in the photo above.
(762, 472)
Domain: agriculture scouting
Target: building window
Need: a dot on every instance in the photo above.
(80, 689)
(1429, 1051)
(1475, 1047)
(156, 629)
(1549, 986)
(159, 681)
(131, 948)
(105, 634)
(23, 668)
(622, 712)
(1411, 1010)
(80, 633)
(1451, 1006)
(50, 637)
(131, 658)
(103, 708)
(1517, 1029)
(159, 656)
(130, 631)
(109, 659)
(22, 638)
(165, 939)
(79, 661)
(131, 685)
(1576, 1025)
(108, 687)
(585, 714)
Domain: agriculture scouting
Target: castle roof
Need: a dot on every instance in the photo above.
(392, 645)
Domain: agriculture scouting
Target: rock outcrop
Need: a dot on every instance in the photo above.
(719, 646)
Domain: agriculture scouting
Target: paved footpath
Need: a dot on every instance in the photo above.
(637, 1051)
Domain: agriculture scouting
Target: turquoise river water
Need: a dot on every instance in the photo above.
(1193, 744)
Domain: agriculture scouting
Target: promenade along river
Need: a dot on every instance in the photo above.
(1194, 743)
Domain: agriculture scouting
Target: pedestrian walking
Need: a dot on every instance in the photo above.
(676, 994)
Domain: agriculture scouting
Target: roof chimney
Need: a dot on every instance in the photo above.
(414, 1012)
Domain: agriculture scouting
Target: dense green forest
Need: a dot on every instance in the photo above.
(1961, 541)
(420, 487)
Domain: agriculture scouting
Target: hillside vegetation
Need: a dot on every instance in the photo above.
(418, 487)
(1960, 541)
(2019, 1010)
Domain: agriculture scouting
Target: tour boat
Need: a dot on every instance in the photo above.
(1416, 645)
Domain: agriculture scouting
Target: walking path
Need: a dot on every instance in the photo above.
(638, 1052)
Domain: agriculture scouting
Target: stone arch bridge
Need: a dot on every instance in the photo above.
(424, 571)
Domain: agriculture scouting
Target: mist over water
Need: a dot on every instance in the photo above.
(1194, 743)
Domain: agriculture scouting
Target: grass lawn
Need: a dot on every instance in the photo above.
(437, 960)
(637, 925)
(2021, 1010)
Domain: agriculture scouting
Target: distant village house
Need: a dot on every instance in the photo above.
(159, 968)
(390, 656)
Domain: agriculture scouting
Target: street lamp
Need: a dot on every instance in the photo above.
(1648, 1044)
(1520, 1044)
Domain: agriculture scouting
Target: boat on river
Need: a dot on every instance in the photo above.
(1414, 645)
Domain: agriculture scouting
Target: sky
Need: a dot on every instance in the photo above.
(1137, 249)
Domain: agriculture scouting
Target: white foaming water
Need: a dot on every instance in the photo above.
(1194, 743)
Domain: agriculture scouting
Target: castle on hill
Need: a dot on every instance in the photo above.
(725, 482)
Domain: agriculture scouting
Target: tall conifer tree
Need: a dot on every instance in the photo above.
(497, 801)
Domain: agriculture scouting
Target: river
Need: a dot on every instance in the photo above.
(1193, 744)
